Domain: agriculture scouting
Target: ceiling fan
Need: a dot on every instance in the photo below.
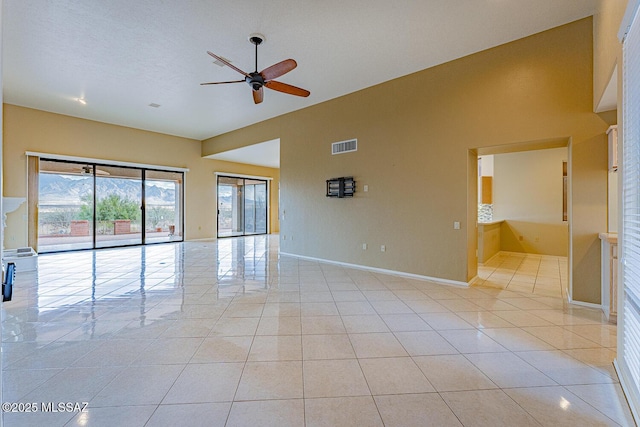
(88, 170)
(265, 77)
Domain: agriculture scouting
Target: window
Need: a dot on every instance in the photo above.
(629, 325)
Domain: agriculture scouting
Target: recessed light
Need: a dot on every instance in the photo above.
(81, 101)
(154, 105)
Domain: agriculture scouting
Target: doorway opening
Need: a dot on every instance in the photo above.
(523, 211)
(242, 206)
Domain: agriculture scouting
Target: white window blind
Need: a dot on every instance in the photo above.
(629, 354)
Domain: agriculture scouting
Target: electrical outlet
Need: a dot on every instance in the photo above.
(456, 225)
(364, 246)
(383, 248)
(366, 188)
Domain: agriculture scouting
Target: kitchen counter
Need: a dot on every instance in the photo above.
(609, 237)
(491, 222)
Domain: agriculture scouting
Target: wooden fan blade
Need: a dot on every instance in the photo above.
(221, 83)
(278, 69)
(285, 88)
(258, 95)
(227, 63)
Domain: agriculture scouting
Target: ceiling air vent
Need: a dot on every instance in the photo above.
(344, 146)
(220, 63)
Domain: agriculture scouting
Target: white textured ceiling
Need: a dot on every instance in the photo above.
(261, 154)
(122, 55)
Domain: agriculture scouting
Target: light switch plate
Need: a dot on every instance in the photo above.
(456, 225)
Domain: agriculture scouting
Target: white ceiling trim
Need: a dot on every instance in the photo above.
(261, 154)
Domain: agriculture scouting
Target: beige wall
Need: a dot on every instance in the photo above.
(608, 54)
(488, 240)
(607, 49)
(33, 130)
(260, 132)
(415, 134)
(528, 196)
(534, 238)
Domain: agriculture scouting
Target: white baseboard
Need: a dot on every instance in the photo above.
(385, 271)
(473, 280)
(585, 304)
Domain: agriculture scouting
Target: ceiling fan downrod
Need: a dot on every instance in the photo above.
(255, 80)
(256, 39)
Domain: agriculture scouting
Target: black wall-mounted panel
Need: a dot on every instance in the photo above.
(341, 187)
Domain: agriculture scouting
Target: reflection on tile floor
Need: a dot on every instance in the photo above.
(227, 333)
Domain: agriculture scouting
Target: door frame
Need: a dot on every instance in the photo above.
(268, 181)
(472, 201)
(94, 164)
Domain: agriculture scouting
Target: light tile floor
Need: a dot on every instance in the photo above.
(227, 333)
(543, 275)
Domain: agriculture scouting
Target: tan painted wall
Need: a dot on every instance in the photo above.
(415, 134)
(33, 130)
(608, 54)
(534, 238)
(607, 49)
(488, 241)
(260, 132)
(528, 196)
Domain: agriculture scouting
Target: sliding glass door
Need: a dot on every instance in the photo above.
(65, 206)
(242, 206)
(255, 206)
(163, 206)
(118, 206)
(86, 206)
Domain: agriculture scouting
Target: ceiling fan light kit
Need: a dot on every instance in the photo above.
(257, 80)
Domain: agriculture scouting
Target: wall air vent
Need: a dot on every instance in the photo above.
(344, 146)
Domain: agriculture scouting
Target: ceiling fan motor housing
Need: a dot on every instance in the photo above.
(255, 80)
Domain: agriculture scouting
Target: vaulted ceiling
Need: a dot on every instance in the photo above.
(120, 56)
